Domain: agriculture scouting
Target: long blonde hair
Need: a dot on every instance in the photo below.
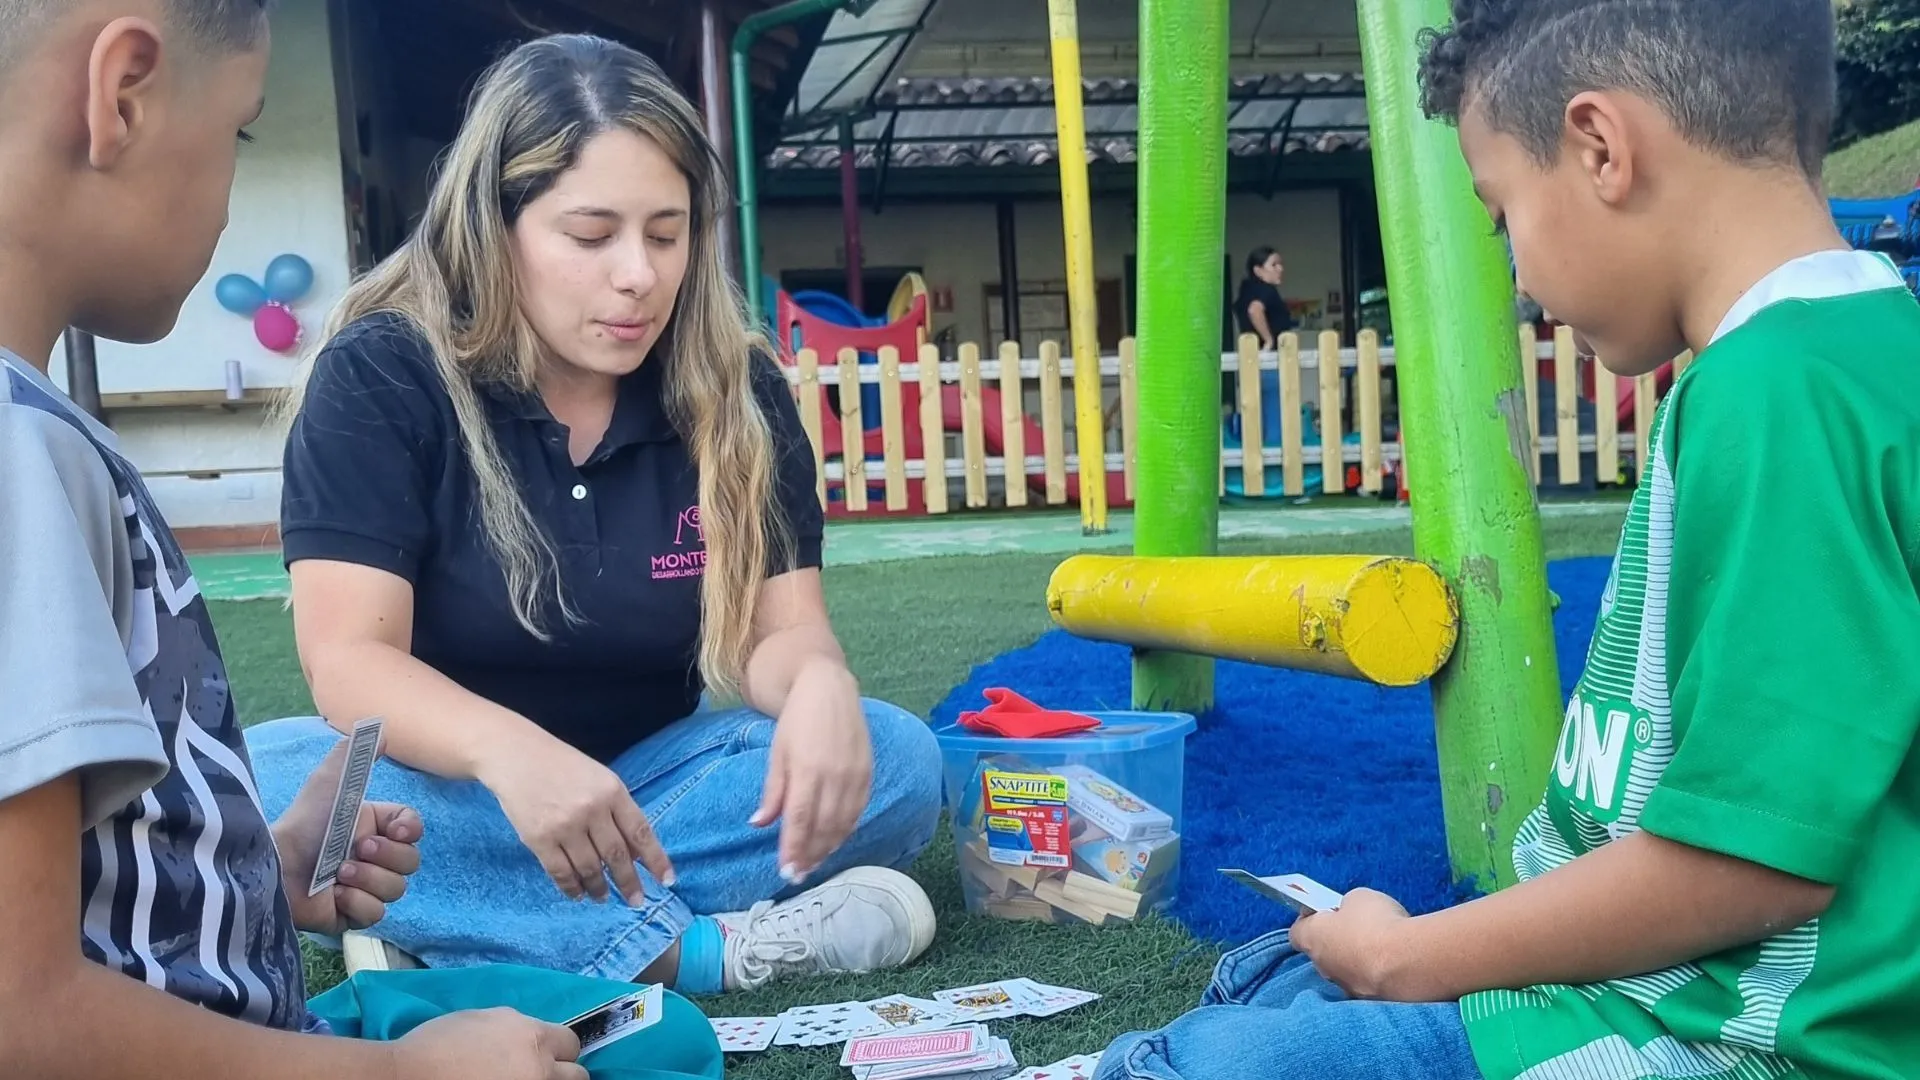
(455, 280)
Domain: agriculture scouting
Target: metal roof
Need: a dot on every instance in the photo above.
(1010, 121)
(859, 52)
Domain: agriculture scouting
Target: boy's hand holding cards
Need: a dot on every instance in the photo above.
(1299, 892)
(601, 1027)
(363, 749)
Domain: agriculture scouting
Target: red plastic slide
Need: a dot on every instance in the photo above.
(992, 429)
(1662, 379)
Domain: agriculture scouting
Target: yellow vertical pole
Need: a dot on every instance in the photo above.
(1063, 26)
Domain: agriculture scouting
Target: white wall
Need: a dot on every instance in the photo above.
(286, 198)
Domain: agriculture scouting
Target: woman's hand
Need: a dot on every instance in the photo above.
(821, 769)
(577, 817)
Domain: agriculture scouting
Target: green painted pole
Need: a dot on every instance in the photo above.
(746, 161)
(1463, 408)
(1183, 225)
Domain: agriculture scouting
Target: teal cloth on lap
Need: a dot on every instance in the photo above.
(386, 1005)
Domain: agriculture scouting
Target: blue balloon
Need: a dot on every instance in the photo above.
(238, 294)
(288, 278)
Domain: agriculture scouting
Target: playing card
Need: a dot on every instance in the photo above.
(904, 1013)
(1297, 891)
(1043, 1000)
(826, 1025)
(602, 1027)
(363, 749)
(745, 1034)
(995, 1060)
(988, 1001)
(1078, 1067)
(916, 1047)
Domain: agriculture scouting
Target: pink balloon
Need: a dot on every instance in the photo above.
(276, 327)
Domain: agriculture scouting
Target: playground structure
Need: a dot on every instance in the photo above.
(890, 422)
(1386, 620)
(1466, 421)
(1471, 616)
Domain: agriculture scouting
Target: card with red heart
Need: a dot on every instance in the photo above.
(1078, 1067)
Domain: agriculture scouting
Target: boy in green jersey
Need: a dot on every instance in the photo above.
(1721, 881)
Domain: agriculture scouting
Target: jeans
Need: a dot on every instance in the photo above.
(482, 897)
(1268, 1013)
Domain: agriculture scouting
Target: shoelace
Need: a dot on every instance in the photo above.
(788, 937)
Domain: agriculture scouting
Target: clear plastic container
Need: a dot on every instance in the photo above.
(1083, 828)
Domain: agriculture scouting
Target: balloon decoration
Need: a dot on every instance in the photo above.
(269, 302)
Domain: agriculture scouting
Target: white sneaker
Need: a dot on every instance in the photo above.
(364, 953)
(866, 919)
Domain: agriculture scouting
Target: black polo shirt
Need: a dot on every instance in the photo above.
(375, 475)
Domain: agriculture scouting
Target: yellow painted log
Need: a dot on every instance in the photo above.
(1384, 619)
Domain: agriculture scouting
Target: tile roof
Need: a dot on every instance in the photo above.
(1033, 90)
(953, 122)
(1118, 151)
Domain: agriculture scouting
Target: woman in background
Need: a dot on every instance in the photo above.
(1259, 309)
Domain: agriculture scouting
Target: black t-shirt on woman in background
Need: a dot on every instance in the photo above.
(375, 475)
(1279, 317)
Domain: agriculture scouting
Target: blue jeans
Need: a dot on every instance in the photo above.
(481, 897)
(1269, 1013)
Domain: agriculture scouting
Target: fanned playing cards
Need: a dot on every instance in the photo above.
(901, 1037)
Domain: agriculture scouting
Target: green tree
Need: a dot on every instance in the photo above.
(1879, 67)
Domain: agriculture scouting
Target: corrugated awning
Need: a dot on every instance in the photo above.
(1010, 121)
(857, 55)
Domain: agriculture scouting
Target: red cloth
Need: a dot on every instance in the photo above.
(1010, 715)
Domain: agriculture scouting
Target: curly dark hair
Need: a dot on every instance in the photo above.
(1752, 80)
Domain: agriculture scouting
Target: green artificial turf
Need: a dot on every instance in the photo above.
(912, 631)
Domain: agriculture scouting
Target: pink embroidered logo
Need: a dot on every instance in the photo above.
(683, 564)
(689, 519)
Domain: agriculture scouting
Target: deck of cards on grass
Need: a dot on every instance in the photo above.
(901, 1037)
(954, 1051)
(607, 1024)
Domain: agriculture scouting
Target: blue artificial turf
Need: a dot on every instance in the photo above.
(1292, 772)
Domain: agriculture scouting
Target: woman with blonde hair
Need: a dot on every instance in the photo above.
(545, 493)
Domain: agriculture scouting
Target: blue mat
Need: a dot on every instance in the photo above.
(1293, 773)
